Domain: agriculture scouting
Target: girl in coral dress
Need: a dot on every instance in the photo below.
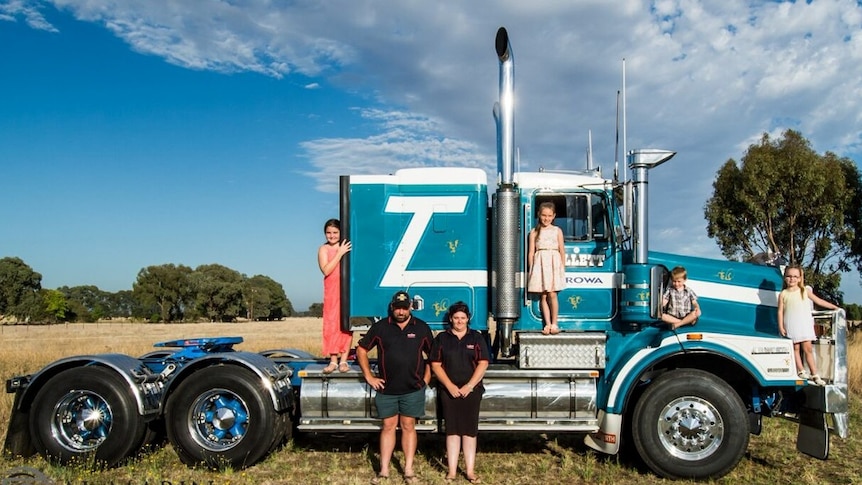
(336, 343)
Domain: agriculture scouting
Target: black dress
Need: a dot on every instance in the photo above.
(459, 358)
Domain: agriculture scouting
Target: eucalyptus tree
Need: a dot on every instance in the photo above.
(784, 198)
(167, 288)
(19, 289)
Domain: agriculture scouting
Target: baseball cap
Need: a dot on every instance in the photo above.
(401, 300)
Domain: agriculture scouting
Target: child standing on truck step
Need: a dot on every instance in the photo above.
(336, 343)
(795, 320)
(679, 302)
(546, 258)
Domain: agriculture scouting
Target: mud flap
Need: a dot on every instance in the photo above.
(755, 424)
(18, 442)
(813, 436)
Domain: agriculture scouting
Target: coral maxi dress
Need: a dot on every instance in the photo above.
(335, 341)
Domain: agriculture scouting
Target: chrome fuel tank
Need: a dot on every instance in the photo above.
(514, 400)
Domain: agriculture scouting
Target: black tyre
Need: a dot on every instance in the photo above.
(86, 413)
(220, 417)
(690, 424)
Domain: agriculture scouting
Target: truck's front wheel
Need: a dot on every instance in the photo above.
(222, 416)
(690, 424)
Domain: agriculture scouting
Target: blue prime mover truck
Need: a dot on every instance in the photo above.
(687, 400)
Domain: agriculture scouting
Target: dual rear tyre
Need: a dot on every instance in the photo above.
(222, 416)
(86, 414)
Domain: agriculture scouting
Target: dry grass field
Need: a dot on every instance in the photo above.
(351, 459)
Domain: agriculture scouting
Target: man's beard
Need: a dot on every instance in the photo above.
(401, 317)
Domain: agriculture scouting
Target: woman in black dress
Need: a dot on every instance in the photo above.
(459, 358)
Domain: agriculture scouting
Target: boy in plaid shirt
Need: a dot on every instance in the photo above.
(679, 303)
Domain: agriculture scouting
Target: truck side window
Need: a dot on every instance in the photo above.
(578, 206)
(599, 215)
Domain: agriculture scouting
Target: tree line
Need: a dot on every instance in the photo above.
(162, 293)
(782, 200)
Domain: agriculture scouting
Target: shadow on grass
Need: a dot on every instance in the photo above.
(432, 448)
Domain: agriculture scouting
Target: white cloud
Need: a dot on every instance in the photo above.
(11, 10)
(703, 78)
(405, 140)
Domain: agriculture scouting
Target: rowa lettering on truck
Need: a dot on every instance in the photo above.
(686, 400)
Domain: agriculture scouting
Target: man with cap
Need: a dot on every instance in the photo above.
(401, 340)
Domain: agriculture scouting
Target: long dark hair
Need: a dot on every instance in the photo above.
(332, 223)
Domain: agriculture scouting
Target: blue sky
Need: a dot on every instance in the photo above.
(148, 132)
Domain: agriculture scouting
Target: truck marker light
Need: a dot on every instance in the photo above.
(694, 336)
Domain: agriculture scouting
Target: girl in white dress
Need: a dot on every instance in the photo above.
(545, 256)
(795, 321)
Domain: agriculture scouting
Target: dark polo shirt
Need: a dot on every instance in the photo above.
(399, 353)
(459, 356)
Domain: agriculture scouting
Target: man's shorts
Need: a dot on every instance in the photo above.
(411, 404)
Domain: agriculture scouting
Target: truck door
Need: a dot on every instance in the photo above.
(590, 270)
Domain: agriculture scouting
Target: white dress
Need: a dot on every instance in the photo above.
(798, 320)
(547, 272)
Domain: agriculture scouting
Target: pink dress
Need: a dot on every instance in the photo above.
(335, 341)
(547, 272)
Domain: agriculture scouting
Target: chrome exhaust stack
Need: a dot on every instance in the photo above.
(640, 161)
(506, 252)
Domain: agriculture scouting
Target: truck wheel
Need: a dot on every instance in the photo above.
(690, 424)
(84, 412)
(222, 416)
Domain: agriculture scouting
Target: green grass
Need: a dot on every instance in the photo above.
(502, 459)
(351, 459)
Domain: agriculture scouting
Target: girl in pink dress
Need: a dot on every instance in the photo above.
(545, 255)
(336, 343)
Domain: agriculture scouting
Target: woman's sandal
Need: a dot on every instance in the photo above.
(555, 329)
(329, 369)
(379, 479)
(546, 330)
(343, 367)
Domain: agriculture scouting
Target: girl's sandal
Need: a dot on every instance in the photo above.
(555, 329)
(546, 330)
(343, 367)
(329, 369)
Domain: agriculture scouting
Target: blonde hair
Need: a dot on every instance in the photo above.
(678, 272)
(800, 283)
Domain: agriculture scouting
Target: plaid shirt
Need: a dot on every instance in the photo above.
(679, 303)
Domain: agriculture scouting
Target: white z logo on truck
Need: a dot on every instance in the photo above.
(423, 208)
